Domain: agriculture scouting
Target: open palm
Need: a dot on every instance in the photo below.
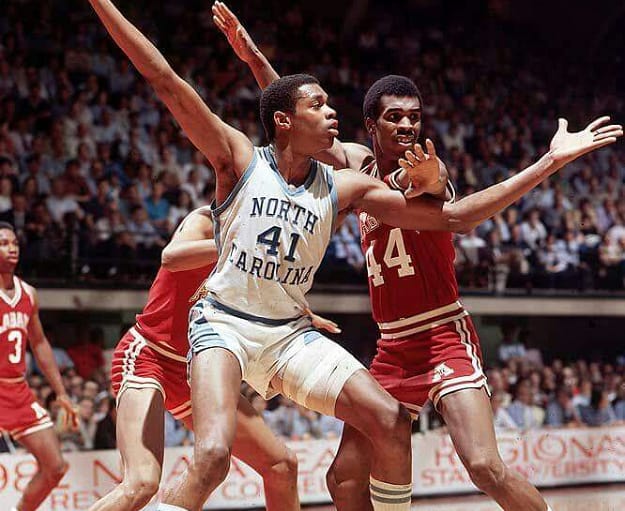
(234, 31)
(566, 147)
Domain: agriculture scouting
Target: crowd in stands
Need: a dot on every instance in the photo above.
(95, 173)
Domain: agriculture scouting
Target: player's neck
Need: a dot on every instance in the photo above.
(386, 163)
(293, 167)
(6, 281)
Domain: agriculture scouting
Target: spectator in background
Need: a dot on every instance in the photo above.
(523, 411)
(157, 207)
(599, 411)
(86, 352)
(60, 203)
(105, 437)
(510, 347)
(501, 418)
(561, 411)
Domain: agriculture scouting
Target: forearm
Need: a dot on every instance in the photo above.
(46, 362)
(263, 71)
(142, 53)
(470, 211)
(189, 255)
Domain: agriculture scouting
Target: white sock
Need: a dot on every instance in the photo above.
(390, 497)
(169, 507)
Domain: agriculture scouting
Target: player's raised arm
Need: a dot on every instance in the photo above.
(227, 149)
(42, 351)
(191, 245)
(243, 45)
(342, 154)
(425, 213)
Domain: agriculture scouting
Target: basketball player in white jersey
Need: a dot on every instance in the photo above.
(274, 214)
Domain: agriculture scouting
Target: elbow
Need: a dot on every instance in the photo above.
(457, 220)
(463, 227)
(161, 80)
(168, 259)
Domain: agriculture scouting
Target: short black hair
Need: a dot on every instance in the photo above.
(7, 225)
(390, 85)
(281, 96)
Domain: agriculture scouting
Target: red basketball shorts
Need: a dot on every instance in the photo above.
(20, 413)
(430, 364)
(139, 364)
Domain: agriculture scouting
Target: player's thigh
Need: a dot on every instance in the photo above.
(254, 442)
(314, 371)
(140, 432)
(353, 458)
(469, 419)
(45, 447)
(215, 389)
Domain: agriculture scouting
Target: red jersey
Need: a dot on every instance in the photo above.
(410, 272)
(15, 316)
(164, 320)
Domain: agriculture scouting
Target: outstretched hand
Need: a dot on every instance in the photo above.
(235, 32)
(423, 168)
(322, 323)
(566, 147)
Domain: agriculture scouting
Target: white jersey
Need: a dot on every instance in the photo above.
(271, 238)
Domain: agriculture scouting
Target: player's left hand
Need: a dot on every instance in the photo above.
(322, 323)
(424, 170)
(235, 32)
(71, 412)
(566, 147)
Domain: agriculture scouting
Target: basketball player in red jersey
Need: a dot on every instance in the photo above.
(428, 349)
(20, 413)
(149, 375)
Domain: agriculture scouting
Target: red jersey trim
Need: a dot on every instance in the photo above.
(17, 295)
(421, 322)
(18, 379)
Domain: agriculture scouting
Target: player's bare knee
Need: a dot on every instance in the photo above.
(346, 488)
(55, 471)
(487, 472)
(393, 424)
(211, 460)
(281, 472)
(140, 490)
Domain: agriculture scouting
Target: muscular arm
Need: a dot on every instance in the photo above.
(228, 150)
(42, 351)
(426, 213)
(192, 245)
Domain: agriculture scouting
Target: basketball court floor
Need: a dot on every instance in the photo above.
(586, 498)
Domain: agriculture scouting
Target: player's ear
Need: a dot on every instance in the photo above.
(282, 120)
(370, 125)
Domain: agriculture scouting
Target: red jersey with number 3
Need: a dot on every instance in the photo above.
(410, 272)
(165, 318)
(15, 314)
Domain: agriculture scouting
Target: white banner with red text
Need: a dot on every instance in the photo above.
(546, 457)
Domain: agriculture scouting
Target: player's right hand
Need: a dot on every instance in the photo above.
(423, 169)
(70, 415)
(235, 32)
(322, 323)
